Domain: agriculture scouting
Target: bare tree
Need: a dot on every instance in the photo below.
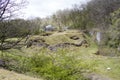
(8, 9)
(3, 7)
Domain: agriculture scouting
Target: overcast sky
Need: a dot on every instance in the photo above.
(43, 8)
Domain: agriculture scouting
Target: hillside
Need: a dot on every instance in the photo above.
(67, 55)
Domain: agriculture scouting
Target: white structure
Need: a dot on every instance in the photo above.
(118, 48)
(98, 36)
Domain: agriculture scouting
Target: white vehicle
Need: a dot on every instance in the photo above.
(49, 28)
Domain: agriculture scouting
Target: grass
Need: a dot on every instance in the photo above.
(113, 64)
(101, 63)
(61, 65)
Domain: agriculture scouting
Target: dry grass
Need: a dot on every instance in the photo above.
(62, 37)
(10, 75)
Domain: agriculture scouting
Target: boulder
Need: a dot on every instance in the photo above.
(74, 37)
(2, 63)
(81, 43)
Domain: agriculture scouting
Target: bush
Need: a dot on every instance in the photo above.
(60, 67)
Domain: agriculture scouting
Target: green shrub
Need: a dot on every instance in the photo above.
(57, 67)
(60, 65)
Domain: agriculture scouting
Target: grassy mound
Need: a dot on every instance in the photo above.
(68, 63)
